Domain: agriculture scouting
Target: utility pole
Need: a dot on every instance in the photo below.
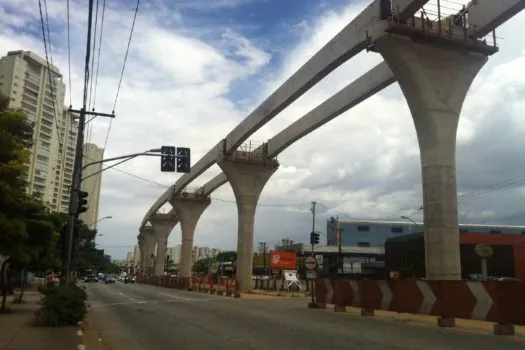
(75, 187)
(339, 244)
(312, 283)
(313, 223)
(77, 170)
(263, 246)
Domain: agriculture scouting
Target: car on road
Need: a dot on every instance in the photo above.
(129, 279)
(108, 279)
(91, 278)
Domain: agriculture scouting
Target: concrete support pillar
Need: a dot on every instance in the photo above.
(247, 176)
(162, 225)
(435, 81)
(142, 249)
(149, 249)
(189, 209)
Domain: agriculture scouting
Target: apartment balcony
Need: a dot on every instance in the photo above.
(43, 151)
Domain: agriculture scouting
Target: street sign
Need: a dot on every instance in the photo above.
(484, 251)
(310, 263)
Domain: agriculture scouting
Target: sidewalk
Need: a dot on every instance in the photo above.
(272, 294)
(17, 332)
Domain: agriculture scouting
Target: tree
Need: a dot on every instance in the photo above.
(16, 135)
(29, 229)
(87, 256)
(228, 256)
(203, 265)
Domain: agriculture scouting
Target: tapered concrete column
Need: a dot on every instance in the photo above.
(142, 249)
(435, 81)
(149, 248)
(189, 208)
(247, 176)
(162, 225)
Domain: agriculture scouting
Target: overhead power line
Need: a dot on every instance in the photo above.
(99, 49)
(69, 54)
(121, 73)
(126, 55)
(49, 63)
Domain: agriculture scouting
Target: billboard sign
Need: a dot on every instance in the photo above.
(283, 260)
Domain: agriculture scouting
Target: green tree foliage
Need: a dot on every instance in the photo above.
(87, 256)
(15, 139)
(203, 265)
(28, 229)
(228, 256)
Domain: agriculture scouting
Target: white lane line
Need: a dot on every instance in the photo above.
(79, 333)
(141, 302)
(174, 297)
(81, 347)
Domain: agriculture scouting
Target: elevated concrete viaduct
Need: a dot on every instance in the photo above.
(434, 72)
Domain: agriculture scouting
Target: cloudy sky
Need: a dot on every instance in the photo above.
(196, 68)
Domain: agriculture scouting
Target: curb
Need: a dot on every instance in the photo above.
(80, 334)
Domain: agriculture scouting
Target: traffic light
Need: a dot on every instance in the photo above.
(314, 238)
(82, 202)
(183, 160)
(167, 158)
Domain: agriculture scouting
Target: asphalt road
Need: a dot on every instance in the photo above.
(139, 317)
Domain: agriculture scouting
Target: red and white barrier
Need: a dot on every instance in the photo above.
(499, 302)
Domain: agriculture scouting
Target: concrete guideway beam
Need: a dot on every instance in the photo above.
(162, 225)
(247, 179)
(486, 15)
(189, 209)
(354, 38)
(435, 82)
(354, 93)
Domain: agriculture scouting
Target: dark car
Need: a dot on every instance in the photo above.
(108, 279)
(91, 278)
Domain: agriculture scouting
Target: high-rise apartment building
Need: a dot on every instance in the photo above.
(65, 162)
(92, 183)
(39, 92)
(173, 253)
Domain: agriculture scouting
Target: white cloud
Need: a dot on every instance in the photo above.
(178, 88)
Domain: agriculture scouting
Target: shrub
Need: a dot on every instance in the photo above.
(61, 305)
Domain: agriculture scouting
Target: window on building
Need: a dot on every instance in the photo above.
(363, 244)
(396, 229)
(495, 231)
(363, 228)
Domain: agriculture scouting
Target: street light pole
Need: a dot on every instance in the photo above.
(104, 218)
(409, 227)
(152, 152)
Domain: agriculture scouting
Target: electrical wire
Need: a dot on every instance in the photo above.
(48, 66)
(69, 53)
(90, 106)
(120, 80)
(126, 55)
(99, 49)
